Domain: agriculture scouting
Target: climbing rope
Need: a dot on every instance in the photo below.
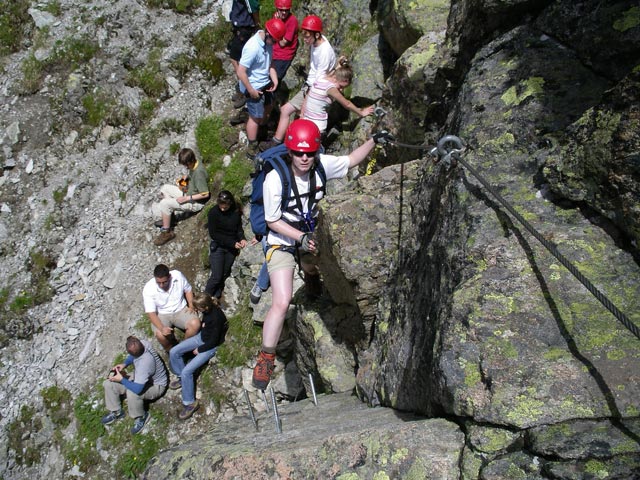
(449, 151)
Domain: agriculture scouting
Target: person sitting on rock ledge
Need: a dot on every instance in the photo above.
(168, 301)
(189, 195)
(203, 346)
(147, 383)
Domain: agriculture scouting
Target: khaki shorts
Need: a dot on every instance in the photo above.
(281, 259)
(178, 319)
(297, 100)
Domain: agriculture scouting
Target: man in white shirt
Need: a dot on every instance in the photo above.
(168, 299)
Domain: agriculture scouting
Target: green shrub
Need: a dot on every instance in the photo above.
(72, 52)
(53, 8)
(149, 136)
(32, 74)
(174, 148)
(146, 110)
(21, 303)
(144, 325)
(237, 174)
(134, 460)
(59, 404)
(180, 6)
(211, 133)
(149, 77)
(59, 194)
(19, 438)
(211, 39)
(81, 451)
(14, 21)
(242, 341)
(101, 108)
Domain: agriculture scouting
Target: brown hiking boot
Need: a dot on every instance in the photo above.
(263, 370)
(252, 150)
(267, 144)
(164, 237)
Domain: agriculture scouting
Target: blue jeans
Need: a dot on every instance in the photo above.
(263, 277)
(186, 371)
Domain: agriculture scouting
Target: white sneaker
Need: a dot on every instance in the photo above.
(255, 294)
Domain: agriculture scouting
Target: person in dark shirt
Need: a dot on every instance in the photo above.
(203, 346)
(227, 239)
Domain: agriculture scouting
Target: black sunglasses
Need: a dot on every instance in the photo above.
(300, 154)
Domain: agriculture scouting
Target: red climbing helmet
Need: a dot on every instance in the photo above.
(283, 4)
(302, 136)
(276, 28)
(312, 23)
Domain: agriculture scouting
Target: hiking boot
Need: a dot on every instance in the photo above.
(263, 370)
(252, 150)
(139, 423)
(241, 117)
(111, 417)
(266, 145)
(158, 223)
(164, 237)
(255, 294)
(188, 410)
(175, 384)
(238, 100)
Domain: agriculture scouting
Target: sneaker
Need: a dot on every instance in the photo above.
(255, 294)
(111, 417)
(263, 370)
(238, 100)
(266, 145)
(139, 424)
(241, 117)
(188, 410)
(175, 384)
(164, 237)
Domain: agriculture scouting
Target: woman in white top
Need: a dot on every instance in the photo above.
(327, 89)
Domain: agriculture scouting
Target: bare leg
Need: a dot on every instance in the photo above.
(282, 292)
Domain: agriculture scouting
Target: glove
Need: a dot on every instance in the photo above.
(305, 242)
(382, 137)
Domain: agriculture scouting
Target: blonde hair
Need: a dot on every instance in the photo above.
(204, 302)
(343, 72)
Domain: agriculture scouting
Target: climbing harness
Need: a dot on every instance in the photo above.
(449, 151)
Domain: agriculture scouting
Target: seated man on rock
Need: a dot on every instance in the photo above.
(189, 195)
(168, 301)
(148, 382)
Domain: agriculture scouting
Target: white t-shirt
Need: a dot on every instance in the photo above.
(170, 301)
(323, 60)
(334, 167)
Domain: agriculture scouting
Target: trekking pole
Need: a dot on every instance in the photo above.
(251, 414)
(313, 390)
(264, 399)
(276, 417)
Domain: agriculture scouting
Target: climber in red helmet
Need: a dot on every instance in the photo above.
(290, 239)
(285, 50)
(322, 60)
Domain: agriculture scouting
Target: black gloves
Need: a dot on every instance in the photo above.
(305, 242)
(382, 137)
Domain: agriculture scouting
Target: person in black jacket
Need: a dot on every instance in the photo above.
(227, 238)
(203, 346)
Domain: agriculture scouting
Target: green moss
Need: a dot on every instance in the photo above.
(418, 470)
(514, 472)
(515, 95)
(556, 353)
(381, 476)
(596, 468)
(399, 455)
(472, 374)
(527, 409)
(630, 19)
(348, 476)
